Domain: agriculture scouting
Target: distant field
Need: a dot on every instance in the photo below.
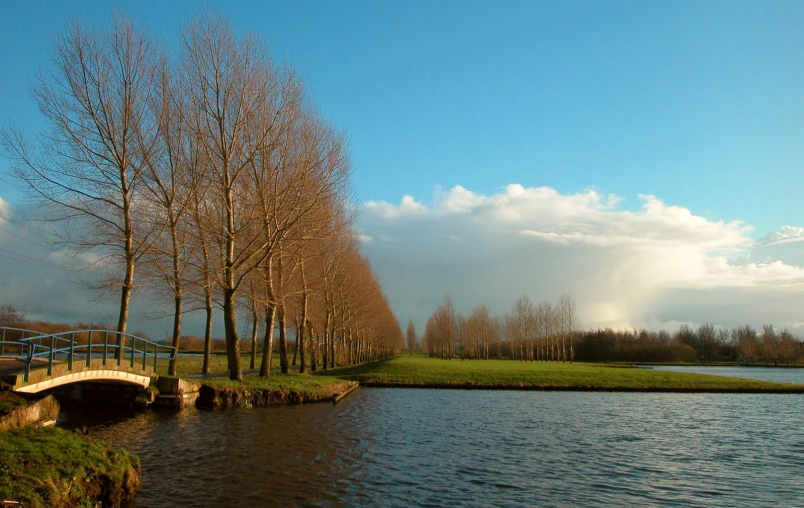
(422, 371)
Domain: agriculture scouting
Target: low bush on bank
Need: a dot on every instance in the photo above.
(51, 467)
(434, 372)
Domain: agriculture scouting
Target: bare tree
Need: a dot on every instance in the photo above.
(770, 344)
(232, 105)
(707, 340)
(745, 338)
(169, 186)
(568, 323)
(411, 337)
(87, 168)
(9, 316)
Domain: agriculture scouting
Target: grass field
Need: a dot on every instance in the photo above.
(421, 371)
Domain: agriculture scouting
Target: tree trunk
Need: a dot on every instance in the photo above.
(302, 328)
(268, 345)
(254, 327)
(283, 340)
(300, 345)
(176, 333)
(313, 348)
(326, 337)
(125, 299)
(207, 331)
(232, 342)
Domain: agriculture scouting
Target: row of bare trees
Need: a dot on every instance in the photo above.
(543, 332)
(209, 176)
(706, 343)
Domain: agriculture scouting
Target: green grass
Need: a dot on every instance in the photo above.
(303, 383)
(277, 389)
(43, 467)
(434, 372)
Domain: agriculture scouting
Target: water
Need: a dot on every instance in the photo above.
(783, 375)
(408, 447)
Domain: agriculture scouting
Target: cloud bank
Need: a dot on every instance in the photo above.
(655, 266)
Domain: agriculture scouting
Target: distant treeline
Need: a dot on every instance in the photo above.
(550, 332)
(703, 344)
(528, 332)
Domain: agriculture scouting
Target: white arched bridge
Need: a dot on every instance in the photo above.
(32, 362)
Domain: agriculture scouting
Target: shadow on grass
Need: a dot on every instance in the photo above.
(357, 370)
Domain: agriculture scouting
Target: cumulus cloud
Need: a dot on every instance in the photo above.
(649, 266)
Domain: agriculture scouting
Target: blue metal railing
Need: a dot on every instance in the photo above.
(6, 332)
(105, 345)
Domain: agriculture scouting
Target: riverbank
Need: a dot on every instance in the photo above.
(51, 467)
(425, 372)
(254, 390)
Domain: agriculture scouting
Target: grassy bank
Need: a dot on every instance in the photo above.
(51, 467)
(421, 371)
(265, 391)
(9, 401)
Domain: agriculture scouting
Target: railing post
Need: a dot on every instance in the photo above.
(144, 354)
(89, 348)
(105, 347)
(28, 365)
(156, 356)
(3, 343)
(133, 342)
(119, 353)
(72, 350)
(50, 355)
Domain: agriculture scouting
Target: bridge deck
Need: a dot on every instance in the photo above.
(10, 366)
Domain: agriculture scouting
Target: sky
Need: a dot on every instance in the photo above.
(644, 157)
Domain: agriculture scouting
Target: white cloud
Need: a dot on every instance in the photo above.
(408, 206)
(652, 265)
(657, 265)
(5, 212)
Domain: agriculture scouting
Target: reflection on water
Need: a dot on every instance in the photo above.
(400, 447)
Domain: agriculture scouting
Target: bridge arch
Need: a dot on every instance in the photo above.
(116, 376)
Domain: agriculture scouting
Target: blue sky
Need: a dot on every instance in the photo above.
(700, 104)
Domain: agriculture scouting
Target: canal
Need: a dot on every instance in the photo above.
(415, 447)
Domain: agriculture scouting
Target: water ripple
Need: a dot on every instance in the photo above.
(397, 447)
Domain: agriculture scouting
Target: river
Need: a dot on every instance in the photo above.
(415, 447)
